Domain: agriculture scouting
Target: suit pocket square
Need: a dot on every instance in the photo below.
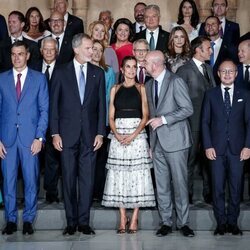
(240, 100)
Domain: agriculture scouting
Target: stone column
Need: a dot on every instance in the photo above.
(80, 9)
(204, 8)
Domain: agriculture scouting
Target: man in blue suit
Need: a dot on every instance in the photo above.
(24, 118)
(226, 138)
(77, 125)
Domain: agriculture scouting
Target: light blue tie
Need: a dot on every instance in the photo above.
(82, 84)
(152, 41)
(212, 55)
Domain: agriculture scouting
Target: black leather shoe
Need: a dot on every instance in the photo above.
(234, 229)
(51, 198)
(221, 229)
(85, 229)
(10, 228)
(27, 228)
(187, 231)
(208, 198)
(70, 230)
(164, 230)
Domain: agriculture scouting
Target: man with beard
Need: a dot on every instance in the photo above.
(139, 24)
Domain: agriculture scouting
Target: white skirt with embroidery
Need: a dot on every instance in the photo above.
(128, 182)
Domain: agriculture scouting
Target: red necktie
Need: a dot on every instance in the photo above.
(18, 86)
(141, 75)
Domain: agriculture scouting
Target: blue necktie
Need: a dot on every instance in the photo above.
(212, 55)
(156, 93)
(227, 102)
(81, 84)
(152, 41)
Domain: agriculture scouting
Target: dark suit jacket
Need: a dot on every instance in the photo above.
(74, 26)
(5, 53)
(162, 41)
(231, 33)
(240, 82)
(3, 28)
(197, 84)
(68, 117)
(66, 52)
(226, 52)
(217, 127)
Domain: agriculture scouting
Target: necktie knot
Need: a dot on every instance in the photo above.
(151, 33)
(227, 89)
(140, 28)
(19, 76)
(247, 67)
(212, 44)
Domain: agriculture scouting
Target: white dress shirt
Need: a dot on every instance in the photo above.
(51, 68)
(77, 70)
(156, 34)
(230, 91)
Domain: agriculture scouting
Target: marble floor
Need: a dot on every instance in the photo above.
(109, 240)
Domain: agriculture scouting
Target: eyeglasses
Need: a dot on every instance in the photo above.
(227, 71)
(141, 50)
(56, 20)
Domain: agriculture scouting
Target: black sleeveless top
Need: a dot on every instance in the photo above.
(128, 103)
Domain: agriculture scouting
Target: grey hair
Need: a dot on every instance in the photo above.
(77, 39)
(49, 39)
(142, 40)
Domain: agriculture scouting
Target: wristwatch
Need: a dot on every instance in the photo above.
(40, 139)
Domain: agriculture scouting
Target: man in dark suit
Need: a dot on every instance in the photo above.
(157, 37)
(199, 77)
(230, 31)
(24, 104)
(65, 51)
(3, 28)
(170, 138)
(73, 24)
(221, 50)
(139, 11)
(140, 50)
(50, 156)
(77, 124)
(243, 77)
(15, 24)
(226, 139)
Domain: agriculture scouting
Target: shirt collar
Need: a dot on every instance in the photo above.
(224, 86)
(23, 72)
(160, 77)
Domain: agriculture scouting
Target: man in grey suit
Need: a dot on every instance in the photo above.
(199, 77)
(170, 138)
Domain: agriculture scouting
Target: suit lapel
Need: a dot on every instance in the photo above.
(90, 80)
(164, 88)
(26, 84)
(236, 97)
(12, 85)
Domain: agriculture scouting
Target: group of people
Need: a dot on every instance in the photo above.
(94, 98)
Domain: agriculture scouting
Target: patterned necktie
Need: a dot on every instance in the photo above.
(247, 79)
(18, 86)
(212, 55)
(156, 93)
(47, 72)
(58, 42)
(205, 71)
(152, 41)
(141, 75)
(82, 83)
(227, 102)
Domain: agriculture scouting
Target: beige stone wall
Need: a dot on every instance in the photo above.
(169, 9)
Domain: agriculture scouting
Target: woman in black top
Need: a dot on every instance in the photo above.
(128, 183)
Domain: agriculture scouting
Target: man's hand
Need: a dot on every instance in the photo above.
(98, 142)
(3, 151)
(36, 147)
(155, 122)
(245, 154)
(211, 154)
(57, 142)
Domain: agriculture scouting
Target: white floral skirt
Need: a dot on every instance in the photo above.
(128, 182)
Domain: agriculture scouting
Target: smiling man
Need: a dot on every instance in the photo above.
(226, 137)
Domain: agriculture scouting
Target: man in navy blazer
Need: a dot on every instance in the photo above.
(152, 22)
(77, 124)
(243, 78)
(226, 138)
(230, 32)
(3, 28)
(24, 104)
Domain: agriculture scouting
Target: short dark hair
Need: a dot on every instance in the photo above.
(19, 15)
(127, 58)
(19, 43)
(218, 20)
(228, 60)
(197, 42)
(127, 22)
(140, 3)
(225, 2)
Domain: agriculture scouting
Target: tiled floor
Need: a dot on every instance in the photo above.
(109, 240)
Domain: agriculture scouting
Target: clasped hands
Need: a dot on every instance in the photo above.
(125, 139)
